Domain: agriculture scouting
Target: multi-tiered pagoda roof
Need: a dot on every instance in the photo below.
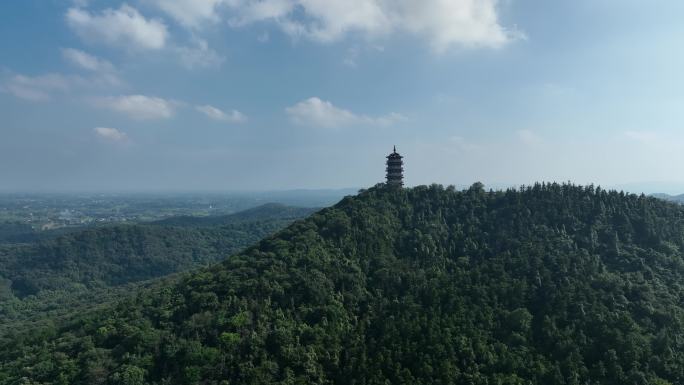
(395, 169)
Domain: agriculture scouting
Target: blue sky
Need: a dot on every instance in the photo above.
(281, 94)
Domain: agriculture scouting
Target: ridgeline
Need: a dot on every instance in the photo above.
(550, 284)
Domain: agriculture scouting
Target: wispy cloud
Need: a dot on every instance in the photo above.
(319, 113)
(86, 61)
(233, 116)
(464, 145)
(191, 13)
(352, 56)
(264, 37)
(110, 134)
(529, 137)
(199, 55)
(45, 87)
(124, 27)
(140, 106)
(644, 137)
(37, 88)
(103, 72)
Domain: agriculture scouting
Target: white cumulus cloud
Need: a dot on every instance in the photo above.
(320, 113)
(123, 27)
(233, 116)
(110, 134)
(140, 106)
(447, 23)
(191, 13)
(443, 23)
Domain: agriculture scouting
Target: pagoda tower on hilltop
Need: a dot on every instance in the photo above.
(395, 169)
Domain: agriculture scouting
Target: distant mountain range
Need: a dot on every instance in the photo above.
(268, 211)
(673, 198)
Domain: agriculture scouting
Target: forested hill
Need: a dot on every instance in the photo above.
(268, 211)
(41, 280)
(118, 254)
(673, 198)
(551, 284)
(115, 255)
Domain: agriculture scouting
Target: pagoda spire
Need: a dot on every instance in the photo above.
(395, 169)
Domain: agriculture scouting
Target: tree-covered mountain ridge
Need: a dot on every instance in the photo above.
(267, 211)
(119, 254)
(547, 284)
(42, 280)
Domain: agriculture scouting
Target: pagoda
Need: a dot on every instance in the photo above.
(395, 169)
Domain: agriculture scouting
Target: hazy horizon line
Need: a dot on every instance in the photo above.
(654, 187)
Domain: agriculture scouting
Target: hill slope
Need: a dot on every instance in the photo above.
(268, 211)
(554, 284)
(673, 198)
(49, 277)
(115, 255)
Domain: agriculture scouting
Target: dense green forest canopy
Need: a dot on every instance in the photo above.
(119, 254)
(548, 284)
(75, 268)
(18, 232)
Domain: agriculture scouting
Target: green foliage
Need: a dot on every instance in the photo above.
(93, 265)
(116, 255)
(129, 375)
(552, 284)
(229, 339)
